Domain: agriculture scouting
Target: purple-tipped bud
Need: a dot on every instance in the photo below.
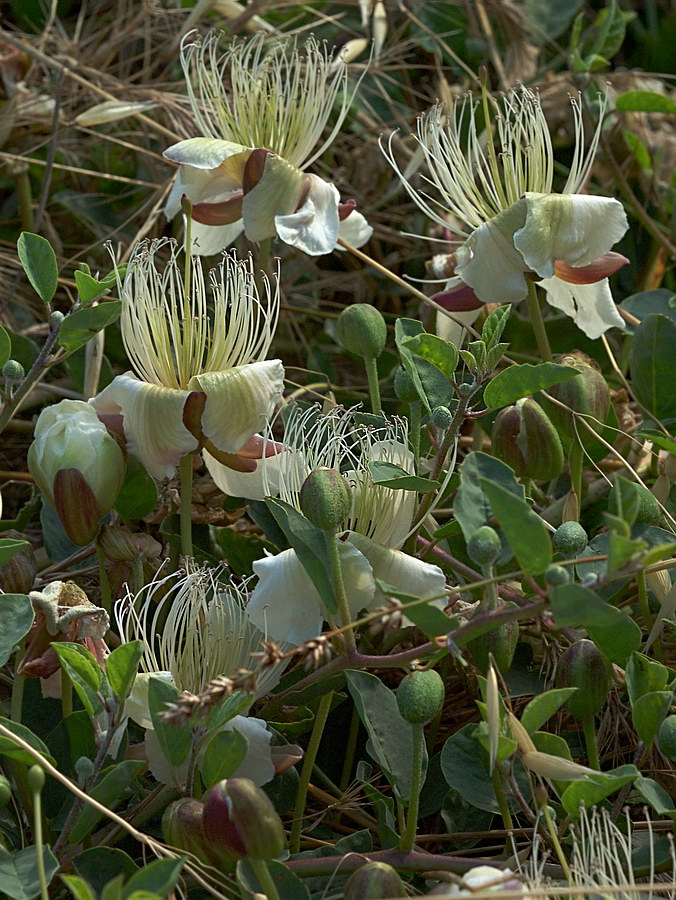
(239, 819)
(584, 666)
(18, 575)
(373, 881)
(182, 828)
(587, 394)
(325, 498)
(76, 506)
(525, 439)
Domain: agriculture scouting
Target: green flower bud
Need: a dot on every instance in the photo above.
(441, 417)
(420, 696)
(361, 330)
(484, 546)
(84, 769)
(404, 387)
(325, 498)
(77, 465)
(525, 439)
(56, 319)
(500, 643)
(570, 539)
(649, 512)
(239, 819)
(17, 576)
(13, 370)
(36, 779)
(587, 394)
(182, 828)
(584, 666)
(5, 791)
(666, 737)
(555, 575)
(373, 881)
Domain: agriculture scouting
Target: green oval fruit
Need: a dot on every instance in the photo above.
(361, 330)
(556, 575)
(484, 546)
(500, 642)
(373, 881)
(570, 539)
(325, 498)
(525, 439)
(587, 394)
(584, 666)
(420, 696)
(649, 512)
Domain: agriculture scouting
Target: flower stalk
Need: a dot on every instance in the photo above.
(537, 323)
(306, 771)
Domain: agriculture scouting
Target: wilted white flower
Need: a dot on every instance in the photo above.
(202, 377)
(259, 134)
(518, 229)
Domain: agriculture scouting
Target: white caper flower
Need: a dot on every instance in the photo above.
(518, 230)
(259, 134)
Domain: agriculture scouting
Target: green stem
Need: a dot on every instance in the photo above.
(558, 849)
(374, 387)
(37, 834)
(498, 790)
(575, 461)
(415, 414)
(538, 324)
(18, 685)
(106, 597)
(589, 731)
(35, 371)
(339, 589)
(350, 749)
(185, 476)
(66, 694)
(137, 578)
(648, 618)
(264, 877)
(407, 840)
(306, 771)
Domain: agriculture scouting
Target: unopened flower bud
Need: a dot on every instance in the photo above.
(325, 498)
(182, 828)
(84, 769)
(584, 666)
(570, 539)
(239, 818)
(441, 417)
(525, 439)
(587, 394)
(361, 330)
(36, 779)
(56, 319)
(373, 881)
(77, 465)
(18, 574)
(404, 387)
(420, 696)
(13, 371)
(556, 575)
(498, 644)
(649, 512)
(484, 546)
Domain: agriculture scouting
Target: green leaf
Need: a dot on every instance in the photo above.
(158, 877)
(656, 796)
(645, 101)
(174, 740)
(5, 346)
(227, 709)
(390, 742)
(78, 887)
(543, 707)
(648, 711)
(310, 545)
(435, 350)
(524, 530)
(432, 385)
(90, 288)
(595, 788)
(9, 547)
(99, 865)
(288, 884)
(494, 326)
(109, 791)
(122, 666)
(516, 382)
(393, 476)
(225, 752)
(610, 27)
(19, 872)
(83, 671)
(471, 507)
(80, 326)
(428, 618)
(652, 365)
(39, 263)
(657, 437)
(546, 20)
(242, 550)
(639, 149)
(16, 618)
(612, 630)
(138, 495)
(12, 750)
(644, 675)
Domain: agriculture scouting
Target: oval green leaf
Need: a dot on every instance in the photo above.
(516, 382)
(39, 263)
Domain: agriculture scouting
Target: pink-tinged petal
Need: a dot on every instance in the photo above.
(153, 422)
(239, 401)
(345, 208)
(230, 460)
(206, 185)
(257, 447)
(601, 268)
(276, 193)
(458, 298)
(354, 230)
(265, 478)
(254, 168)
(224, 213)
(313, 228)
(204, 153)
(590, 305)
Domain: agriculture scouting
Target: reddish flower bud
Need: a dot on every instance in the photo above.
(239, 820)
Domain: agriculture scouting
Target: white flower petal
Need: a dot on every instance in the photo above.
(136, 705)
(489, 262)
(406, 573)
(285, 604)
(204, 153)
(354, 230)
(590, 305)
(153, 421)
(263, 482)
(451, 329)
(239, 401)
(257, 764)
(314, 227)
(573, 227)
(277, 193)
(160, 767)
(210, 239)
